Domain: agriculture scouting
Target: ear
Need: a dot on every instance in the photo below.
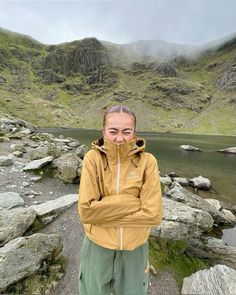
(103, 132)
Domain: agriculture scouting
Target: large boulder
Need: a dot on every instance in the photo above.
(219, 279)
(9, 200)
(182, 195)
(23, 256)
(37, 164)
(215, 250)
(67, 167)
(182, 222)
(14, 223)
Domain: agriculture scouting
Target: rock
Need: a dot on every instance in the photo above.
(80, 164)
(181, 180)
(5, 161)
(39, 152)
(81, 151)
(219, 279)
(61, 140)
(54, 207)
(227, 80)
(182, 195)
(230, 150)
(9, 200)
(166, 181)
(18, 154)
(4, 139)
(190, 148)
(215, 250)
(18, 147)
(36, 178)
(67, 167)
(23, 256)
(166, 70)
(15, 222)
(229, 215)
(73, 144)
(37, 164)
(215, 203)
(25, 183)
(182, 222)
(200, 182)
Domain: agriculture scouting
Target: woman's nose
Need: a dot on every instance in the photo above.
(119, 139)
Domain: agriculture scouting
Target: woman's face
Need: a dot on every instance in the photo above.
(119, 127)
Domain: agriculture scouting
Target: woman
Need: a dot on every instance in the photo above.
(119, 201)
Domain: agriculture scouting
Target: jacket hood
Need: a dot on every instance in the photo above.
(124, 149)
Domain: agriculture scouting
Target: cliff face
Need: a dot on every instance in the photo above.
(71, 84)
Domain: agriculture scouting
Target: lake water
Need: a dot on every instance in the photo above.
(220, 168)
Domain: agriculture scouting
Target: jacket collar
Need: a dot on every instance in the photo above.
(124, 150)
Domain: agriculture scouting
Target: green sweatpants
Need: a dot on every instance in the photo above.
(104, 271)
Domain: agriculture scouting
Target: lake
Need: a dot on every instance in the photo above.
(220, 168)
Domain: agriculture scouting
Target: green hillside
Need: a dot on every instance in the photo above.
(70, 85)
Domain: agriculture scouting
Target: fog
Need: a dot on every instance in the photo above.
(176, 21)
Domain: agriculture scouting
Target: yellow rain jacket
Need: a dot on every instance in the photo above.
(120, 195)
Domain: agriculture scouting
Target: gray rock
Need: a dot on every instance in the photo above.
(81, 151)
(73, 144)
(23, 256)
(215, 250)
(5, 161)
(182, 195)
(187, 147)
(182, 222)
(229, 215)
(37, 164)
(15, 222)
(166, 180)
(219, 279)
(200, 182)
(61, 140)
(230, 150)
(36, 178)
(9, 200)
(181, 180)
(67, 167)
(39, 152)
(54, 207)
(4, 139)
(215, 203)
(18, 147)
(18, 154)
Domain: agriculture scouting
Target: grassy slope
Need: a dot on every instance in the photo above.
(25, 96)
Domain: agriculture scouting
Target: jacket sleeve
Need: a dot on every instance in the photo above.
(151, 210)
(95, 209)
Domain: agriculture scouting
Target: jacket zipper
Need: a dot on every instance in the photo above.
(117, 192)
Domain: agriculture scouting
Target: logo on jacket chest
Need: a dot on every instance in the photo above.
(132, 175)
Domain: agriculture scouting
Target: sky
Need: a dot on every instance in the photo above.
(176, 21)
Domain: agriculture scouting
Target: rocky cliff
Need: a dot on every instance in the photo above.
(71, 84)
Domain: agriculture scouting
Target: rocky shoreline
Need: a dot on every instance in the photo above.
(38, 185)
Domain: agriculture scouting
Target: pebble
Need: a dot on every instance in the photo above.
(25, 183)
(36, 178)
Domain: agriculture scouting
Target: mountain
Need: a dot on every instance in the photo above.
(171, 87)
